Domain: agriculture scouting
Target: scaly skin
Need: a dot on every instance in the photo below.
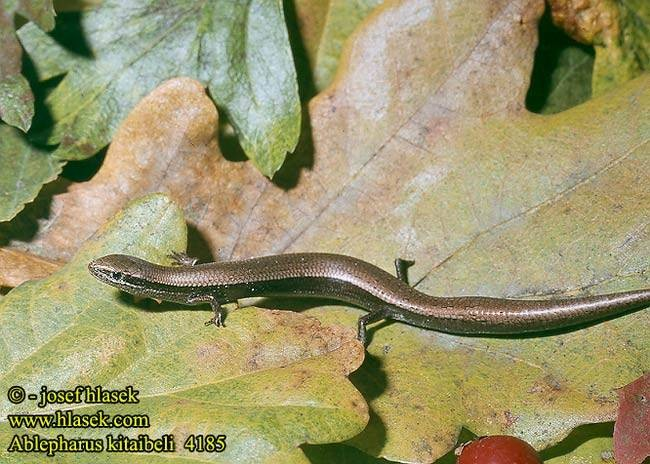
(352, 281)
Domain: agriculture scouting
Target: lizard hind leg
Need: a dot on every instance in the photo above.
(401, 268)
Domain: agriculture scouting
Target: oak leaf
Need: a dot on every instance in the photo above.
(270, 381)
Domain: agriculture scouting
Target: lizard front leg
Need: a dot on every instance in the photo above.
(219, 313)
(180, 258)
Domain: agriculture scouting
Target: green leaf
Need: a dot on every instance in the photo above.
(619, 31)
(586, 445)
(562, 71)
(53, 60)
(627, 54)
(24, 170)
(270, 380)
(339, 454)
(16, 99)
(325, 25)
(570, 81)
(239, 50)
(594, 450)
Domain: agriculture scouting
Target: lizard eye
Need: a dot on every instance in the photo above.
(117, 275)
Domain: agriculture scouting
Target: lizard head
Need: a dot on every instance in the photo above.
(121, 271)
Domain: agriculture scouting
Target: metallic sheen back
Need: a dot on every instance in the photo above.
(358, 282)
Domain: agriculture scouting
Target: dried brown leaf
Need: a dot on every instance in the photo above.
(17, 266)
(167, 144)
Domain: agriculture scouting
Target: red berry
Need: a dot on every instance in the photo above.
(498, 449)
